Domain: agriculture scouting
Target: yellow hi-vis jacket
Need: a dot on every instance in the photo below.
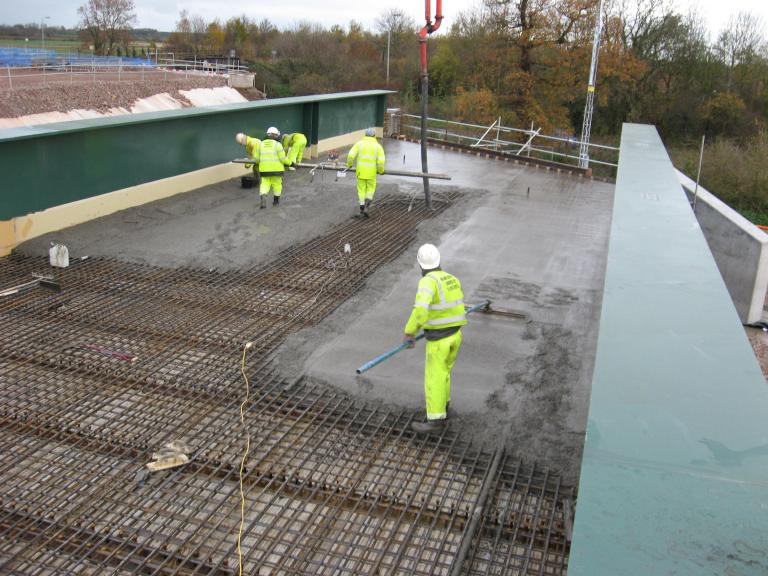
(271, 158)
(369, 156)
(439, 303)
(291, 139)
(252, 146)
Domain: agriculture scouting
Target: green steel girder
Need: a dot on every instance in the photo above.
(58, 163)
(675, 472)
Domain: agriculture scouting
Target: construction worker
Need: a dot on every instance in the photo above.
(272, 161)
(368, 157)
(294, 145)
(439, 310)
(251, 146)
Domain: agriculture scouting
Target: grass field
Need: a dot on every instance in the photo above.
(60, 44)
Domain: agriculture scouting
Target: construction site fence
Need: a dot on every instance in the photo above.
(14, 77)
(200, 64)
(24, 57)
(506, 139)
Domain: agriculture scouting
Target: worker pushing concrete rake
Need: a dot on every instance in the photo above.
(337, 167)
(340, 171)
(440, 312)
(366, 158)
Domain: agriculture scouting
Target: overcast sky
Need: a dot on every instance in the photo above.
(162, 14)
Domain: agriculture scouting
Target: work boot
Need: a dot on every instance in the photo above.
(275, 200)
(362, 211)
(429, 426)
(365, 208)
(263, 202)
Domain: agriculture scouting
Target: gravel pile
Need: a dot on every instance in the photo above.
(100, 96)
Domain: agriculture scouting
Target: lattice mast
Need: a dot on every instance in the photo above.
(586, 128)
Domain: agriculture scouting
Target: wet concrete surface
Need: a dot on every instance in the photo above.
(219, 226)
(530, 240)
(535, 242)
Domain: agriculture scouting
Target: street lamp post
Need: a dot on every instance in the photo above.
(389, 36)
(42, 30)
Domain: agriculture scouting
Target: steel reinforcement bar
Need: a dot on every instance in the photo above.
(128, 357)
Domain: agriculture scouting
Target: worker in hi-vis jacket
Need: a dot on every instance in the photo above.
(294, 145)
(439, 311)
(251, 146)
(272, 161)
(368, 157)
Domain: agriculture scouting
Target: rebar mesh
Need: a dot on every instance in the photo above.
(128, 357)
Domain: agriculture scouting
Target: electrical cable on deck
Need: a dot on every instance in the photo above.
(242, 462)
(247, 346)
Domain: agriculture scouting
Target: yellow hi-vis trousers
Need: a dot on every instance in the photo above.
(274, 182)
(365, 189)
(440, 358)
(296, 151)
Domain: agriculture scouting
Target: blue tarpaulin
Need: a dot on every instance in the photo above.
(34, 57)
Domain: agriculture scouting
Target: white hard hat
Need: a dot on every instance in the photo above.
(240, 138)
(370, 132)
(272, 131)
(428, 257)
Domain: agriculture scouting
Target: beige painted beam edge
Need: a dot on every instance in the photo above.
(6, 237)
(17, 230)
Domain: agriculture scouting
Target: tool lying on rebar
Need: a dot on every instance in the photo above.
(486, 304)
(44, 281)
(337, 167)
(172, 454)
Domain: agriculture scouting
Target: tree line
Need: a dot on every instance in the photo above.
(32, 32)
(526, 61)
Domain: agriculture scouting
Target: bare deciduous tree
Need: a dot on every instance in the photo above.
(402, 29)
(199, 27)
(396, 21)
(106, 23)
(740, 41)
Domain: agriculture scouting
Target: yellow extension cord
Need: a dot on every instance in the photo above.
(242, 462)
(248, 432)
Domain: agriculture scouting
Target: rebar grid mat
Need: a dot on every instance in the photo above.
(128, 357)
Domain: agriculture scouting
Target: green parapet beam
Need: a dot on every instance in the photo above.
(54, 164)
(674, 478)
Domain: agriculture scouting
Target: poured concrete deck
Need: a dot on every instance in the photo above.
(529, 239)
(536, 242)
